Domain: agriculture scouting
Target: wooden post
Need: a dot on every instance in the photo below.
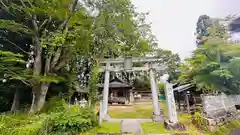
(179, 101)
(187, 102)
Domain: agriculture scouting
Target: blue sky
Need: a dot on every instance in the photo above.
(174, 21)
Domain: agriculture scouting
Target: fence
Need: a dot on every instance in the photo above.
(215, 105)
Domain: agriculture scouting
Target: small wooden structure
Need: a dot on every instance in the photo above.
(119, 91)
(184, 94)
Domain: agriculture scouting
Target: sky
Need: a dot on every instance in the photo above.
(174, 21)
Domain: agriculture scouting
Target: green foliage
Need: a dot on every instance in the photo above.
(222, 129)
(60, 119)
(92, 86)
(142, 83)
(171, 60)
(161, 87)
(74, 120)
(213, 66)
(54, 105)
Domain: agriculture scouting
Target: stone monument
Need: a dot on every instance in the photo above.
(172, 123)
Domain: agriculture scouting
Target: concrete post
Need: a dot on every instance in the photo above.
(106, 90)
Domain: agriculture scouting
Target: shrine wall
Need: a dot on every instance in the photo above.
(214, 106)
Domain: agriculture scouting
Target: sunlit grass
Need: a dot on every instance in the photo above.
(157, 128)
(143, 111)
(107, 127)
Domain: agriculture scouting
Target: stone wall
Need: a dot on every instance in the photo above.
(214, 106)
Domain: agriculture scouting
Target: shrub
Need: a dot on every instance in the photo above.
(73, 120)
(59, 120)
(54, 104)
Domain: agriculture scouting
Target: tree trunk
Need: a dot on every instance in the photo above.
(35, 97)
(15, 104)
(42, 95)
(39, 97)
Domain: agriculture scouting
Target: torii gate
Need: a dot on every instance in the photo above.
(128, 67)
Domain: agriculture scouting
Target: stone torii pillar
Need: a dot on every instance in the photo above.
(106, 90)
(157, 114)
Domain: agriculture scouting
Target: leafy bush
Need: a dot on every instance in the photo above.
(227, 128)
(59, 120)
(73, 120)
(54, 104)
(224, 129)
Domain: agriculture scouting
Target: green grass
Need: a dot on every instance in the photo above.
(107, 127)
(157, 128)
(143, 111)
(154, 128)
(135, 111)
(138, 113)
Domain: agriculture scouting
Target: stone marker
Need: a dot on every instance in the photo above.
(172, 123)
(131, 126)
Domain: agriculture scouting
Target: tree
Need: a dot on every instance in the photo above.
(211, 67)
(13, 74)
(203, 23)
(171, 60)
(67, 35)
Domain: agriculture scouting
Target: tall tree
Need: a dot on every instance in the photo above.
(68, 34)
(212, 68)
(203, 23)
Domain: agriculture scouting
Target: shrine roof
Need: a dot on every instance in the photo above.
(116, 83)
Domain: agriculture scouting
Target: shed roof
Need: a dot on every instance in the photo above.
(183, 87)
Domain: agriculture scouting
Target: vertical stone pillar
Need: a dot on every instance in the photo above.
(171, 106)
(106, 90)
(187, 102)
(157, 116)
(131, 98)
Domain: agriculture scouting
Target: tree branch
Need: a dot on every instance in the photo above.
(15, 45)
(44, 22)
(47, 65)
(72, 10)
(56, 57)
(63, 59)
(64, 25)
(4, 5)
(35, 26)
(17, 75)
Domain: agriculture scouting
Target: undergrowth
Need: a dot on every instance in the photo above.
(57, 118)
(223, 129)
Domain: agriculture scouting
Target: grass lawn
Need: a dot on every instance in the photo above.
(143, 110)
(107, 127)
(157, 128)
